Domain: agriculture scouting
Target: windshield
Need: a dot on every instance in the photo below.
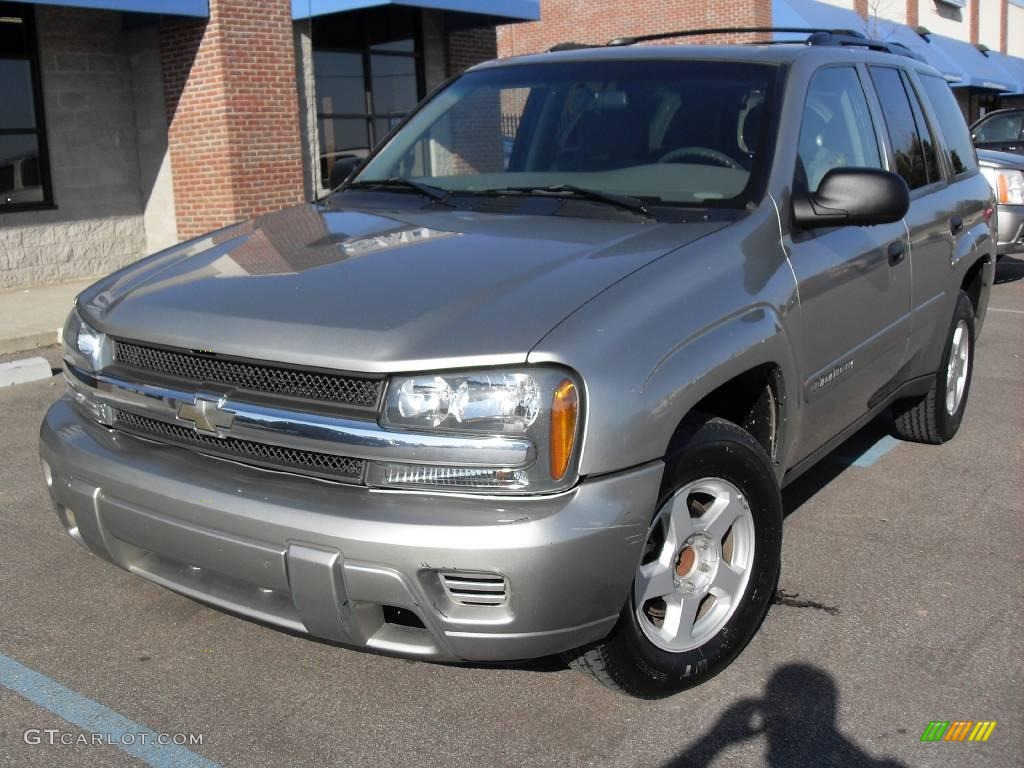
(674, 132)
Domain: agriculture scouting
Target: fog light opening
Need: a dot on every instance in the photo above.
(402, 616)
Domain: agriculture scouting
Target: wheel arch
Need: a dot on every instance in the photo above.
(742, 370)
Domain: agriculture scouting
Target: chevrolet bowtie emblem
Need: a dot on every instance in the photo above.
(205, 414)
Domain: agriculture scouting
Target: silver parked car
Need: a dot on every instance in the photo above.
(530, 381)
(1005, 174)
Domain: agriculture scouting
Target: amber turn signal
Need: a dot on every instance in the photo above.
(565, 407)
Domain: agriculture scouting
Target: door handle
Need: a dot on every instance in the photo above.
(896, 252)
(956, 225)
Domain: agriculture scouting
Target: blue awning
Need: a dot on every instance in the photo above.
(495, 11)
(979, 70)
(960, 63)
(197, 8)
(1013, 68)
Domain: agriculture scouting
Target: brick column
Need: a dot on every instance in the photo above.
(1004, 23)
(975, 17)
(912, 14)
(232, 113)
(861, 7)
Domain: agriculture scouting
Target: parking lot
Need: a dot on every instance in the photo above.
(900, 603)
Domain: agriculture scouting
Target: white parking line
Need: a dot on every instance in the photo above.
(1011, 311)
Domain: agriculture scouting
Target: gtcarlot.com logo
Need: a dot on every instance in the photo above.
(958, 730)
(55, 736)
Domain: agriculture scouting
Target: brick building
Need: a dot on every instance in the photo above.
(128, 125)
(977, 44)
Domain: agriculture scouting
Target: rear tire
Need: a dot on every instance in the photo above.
(935, 417)
(709, 570)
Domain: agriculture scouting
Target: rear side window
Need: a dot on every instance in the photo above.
(958, 137)
(911, 142)
(836, 130)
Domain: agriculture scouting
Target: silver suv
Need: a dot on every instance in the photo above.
(530, 381)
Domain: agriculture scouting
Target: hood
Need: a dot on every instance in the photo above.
(992, 159)
(377, 292)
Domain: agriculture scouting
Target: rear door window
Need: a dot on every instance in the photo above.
(912, 145)
(960, 150)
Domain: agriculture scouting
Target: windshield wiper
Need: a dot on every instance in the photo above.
(395, 182)
(634, 204)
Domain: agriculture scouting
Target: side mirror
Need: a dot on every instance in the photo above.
(853, 196)
(342, 169)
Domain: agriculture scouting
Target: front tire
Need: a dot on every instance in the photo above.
(935, 417)
(708, 572)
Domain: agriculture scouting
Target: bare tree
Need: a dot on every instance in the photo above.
(877, 9)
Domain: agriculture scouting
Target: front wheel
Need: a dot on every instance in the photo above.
(708, 571)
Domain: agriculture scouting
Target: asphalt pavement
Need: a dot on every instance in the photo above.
(900, 603)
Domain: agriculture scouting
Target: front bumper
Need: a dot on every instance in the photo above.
(1010, 237)
(337, 561)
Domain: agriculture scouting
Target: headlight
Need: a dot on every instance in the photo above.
(540, 404)
(84, 346)
(1008, 185)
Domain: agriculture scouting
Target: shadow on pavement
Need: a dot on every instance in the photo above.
(796, 717)
(801, 490)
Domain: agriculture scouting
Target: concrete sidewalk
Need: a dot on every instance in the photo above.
(33, 317)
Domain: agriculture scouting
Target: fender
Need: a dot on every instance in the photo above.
(653, 345)
(745, 340)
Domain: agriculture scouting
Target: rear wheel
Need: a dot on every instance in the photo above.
(708, 570)
(935, 417)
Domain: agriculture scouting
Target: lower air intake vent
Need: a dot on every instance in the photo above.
(475, 588)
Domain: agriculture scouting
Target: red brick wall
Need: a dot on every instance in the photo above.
(469, 47)
(598, 21)
(233, 113)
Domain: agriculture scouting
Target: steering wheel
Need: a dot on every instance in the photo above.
(706, 153)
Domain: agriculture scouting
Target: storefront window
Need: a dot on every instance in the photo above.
(24, 175)
(368, 73)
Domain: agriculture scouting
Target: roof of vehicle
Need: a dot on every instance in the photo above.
(767, 53)
(994, 112)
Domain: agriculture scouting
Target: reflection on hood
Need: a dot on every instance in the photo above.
(304, 238)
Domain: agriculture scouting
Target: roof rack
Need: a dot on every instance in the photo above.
(815, 36)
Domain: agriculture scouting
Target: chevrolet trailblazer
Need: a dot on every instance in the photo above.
(530, 380)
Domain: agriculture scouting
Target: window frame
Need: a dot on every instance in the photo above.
(27, 15)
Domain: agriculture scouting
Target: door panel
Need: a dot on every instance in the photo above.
(855, 312)
(854, 282)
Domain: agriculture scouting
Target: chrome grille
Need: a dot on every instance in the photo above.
(253, 376)
(325, 465)
(474, 588)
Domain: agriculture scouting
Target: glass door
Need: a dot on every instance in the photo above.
(363, 91)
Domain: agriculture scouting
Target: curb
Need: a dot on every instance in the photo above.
(29, 341)
(24, 371)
